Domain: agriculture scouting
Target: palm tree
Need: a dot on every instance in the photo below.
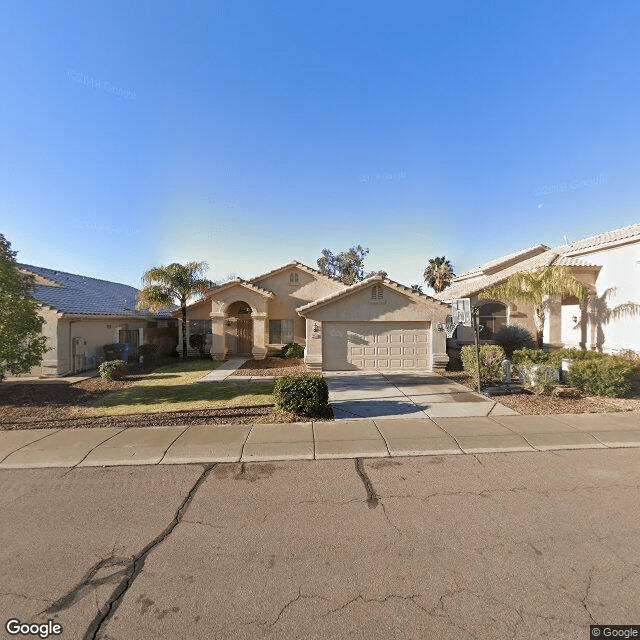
(439, 273)
(166, 284)
(535, 288)
(416, 288)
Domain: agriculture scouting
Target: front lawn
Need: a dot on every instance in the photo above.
(175, 388)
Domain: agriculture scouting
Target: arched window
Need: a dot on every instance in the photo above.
(293, 278)
(493, 316)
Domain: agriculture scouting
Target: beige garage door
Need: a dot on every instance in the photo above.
(375, 345)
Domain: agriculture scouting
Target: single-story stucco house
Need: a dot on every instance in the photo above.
(83, 314)
(374, 324)
(609, 266)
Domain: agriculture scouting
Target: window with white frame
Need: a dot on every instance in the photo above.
(280, 331)
(376, 292)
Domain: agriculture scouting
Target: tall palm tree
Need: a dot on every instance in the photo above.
(165, 284)
(535, 288)
(439, 273)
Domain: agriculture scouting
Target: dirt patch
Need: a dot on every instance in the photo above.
(274, 367)
(538, 405)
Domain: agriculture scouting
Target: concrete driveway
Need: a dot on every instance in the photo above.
(377, 394)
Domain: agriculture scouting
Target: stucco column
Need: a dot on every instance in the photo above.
(218, 348)
(260, 333)
(439, 357)
(313, 355)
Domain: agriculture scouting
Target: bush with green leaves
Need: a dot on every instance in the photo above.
(198, 341)
(491, 357)
(630, 356)
(112, 369)
(526, 357)
(149, 352)
(293, 350)
(572, 353)
(602, 376)
(304, 395)
(511, 337)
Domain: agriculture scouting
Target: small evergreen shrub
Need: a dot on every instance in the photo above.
(149, 352)
(198, 341)
(602, 376)
(283, 351)
(294, 350)
(557, 357)
(526, 357)
(491, 357)
(631, 356)
(112, 369)
(511, 337)
(304, 395)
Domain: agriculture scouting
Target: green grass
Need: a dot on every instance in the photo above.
(175, 388)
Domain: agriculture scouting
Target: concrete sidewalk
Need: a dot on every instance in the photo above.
(379, 437)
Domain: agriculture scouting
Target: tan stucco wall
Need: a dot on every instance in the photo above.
(290, 296)
(396, 307)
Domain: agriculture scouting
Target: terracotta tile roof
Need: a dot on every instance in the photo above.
(299, 265)
(602, 240)
(73, 293)
(361, 285)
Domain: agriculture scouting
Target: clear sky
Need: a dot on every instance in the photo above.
(251, 133)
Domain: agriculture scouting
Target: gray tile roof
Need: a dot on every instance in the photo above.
(72, 293)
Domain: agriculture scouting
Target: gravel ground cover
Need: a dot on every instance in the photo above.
(541, 404)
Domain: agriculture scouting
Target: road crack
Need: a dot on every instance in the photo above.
(372, 498)
(131, 568)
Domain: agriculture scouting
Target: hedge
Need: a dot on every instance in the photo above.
(304, 395)
(491, 357)
(602, 376)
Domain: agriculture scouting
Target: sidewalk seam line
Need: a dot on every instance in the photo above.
(386, 444)
(245, 441)
(172, 443)
(93, 448)
(29, 443)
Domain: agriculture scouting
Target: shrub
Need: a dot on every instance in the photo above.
(198, 341)
(112, 369)
(304, 395)
(491, 357)
(293, 350)
(631, 356)
(511, 337)
(573, 353)
(149, 352)
(526, 357)
(603, 376)
(540, 378)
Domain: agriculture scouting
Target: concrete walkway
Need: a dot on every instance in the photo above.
(394, 394)
(380, 437)
(223, 371)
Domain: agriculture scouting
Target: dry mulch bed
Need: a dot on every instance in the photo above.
(531, 404)
(274, 367)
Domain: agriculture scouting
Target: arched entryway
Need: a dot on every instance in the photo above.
(239, 329)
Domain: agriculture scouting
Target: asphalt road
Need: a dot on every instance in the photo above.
(516, 545)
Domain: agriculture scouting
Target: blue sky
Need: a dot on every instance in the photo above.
(248, 134)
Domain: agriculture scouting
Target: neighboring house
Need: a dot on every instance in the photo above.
(83, 314)
(374, 324)
(608, 264)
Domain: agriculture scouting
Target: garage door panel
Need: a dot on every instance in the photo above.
(376, 345)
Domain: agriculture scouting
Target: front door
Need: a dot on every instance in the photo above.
(130, 335)
(244, 335)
